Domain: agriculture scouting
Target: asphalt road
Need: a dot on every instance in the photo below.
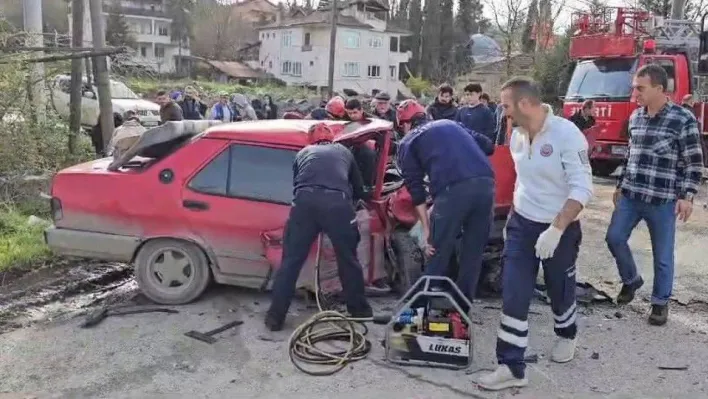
(147, 355)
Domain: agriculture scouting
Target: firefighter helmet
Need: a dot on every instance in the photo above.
(335, 106)
(409, 110)
(319, 132)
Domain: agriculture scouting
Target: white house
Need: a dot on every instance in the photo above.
(368, 52)
(151, 28)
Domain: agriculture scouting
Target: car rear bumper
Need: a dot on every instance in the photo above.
(88, 244)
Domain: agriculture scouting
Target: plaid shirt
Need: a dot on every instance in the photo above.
(665, 159)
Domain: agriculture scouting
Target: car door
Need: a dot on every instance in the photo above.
(243, 192)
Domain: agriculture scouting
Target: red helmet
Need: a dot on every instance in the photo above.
(408, 110)
(319, 132)
(335, 106)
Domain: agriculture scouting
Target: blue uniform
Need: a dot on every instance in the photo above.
(478, 118)
(462, 186)
(326, 180)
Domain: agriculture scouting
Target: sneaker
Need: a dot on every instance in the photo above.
(501, 378)
(564, 350)
(626, 294)
(659, 315)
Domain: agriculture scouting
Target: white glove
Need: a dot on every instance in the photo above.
(504, 233)
(548, 242)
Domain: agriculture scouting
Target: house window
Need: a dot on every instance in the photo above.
(312, 63)
(286, 68)
(307, 39)
(352, 39)
(392, 71)
(374, 71)
(376, 42)
(297, 68)
(351, 69)
(393, 44)
(287, 39)
(162, 30)
(270, 64)
(159, 52)
(670, 69)
(143, 51)
(262, 63)
(262, 35)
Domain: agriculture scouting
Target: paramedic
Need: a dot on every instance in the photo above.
(461, 184)
(553, 184)
(326, 184)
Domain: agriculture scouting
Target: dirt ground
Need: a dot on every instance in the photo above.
(620, 356)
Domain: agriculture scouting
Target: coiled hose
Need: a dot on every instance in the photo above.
(329, 326)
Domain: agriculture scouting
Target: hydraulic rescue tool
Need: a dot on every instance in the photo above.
(431, 326)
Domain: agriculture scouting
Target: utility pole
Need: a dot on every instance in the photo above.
(77, 41)
(677, 7)
(101, 76)
(32, 15)
(332, 48)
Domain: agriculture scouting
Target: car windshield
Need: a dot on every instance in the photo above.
(602, 78)
(120, 90)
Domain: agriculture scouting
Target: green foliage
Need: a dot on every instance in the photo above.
(21, 243)
(117, 29)
(551, 70)
(149, 87)
(418, 85)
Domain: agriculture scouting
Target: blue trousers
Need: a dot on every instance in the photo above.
(464, 208)
(519, 278)
(314, 211)
(661, 221)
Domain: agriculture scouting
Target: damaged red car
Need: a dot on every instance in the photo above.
(188, 205)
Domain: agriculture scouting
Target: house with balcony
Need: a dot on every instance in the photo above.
(369, 54)
(151, 28)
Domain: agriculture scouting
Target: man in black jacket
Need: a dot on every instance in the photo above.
(583, 118)
(444, 107)
(326, 182)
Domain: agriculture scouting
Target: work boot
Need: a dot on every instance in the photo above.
(564, 350)
(626, 294)
(273, 323)
(659, 315)
(501, 378)
(361, 313)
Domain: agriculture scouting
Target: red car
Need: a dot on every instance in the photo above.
(188, 207)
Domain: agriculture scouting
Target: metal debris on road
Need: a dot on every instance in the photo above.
(208, 336)
(96, 317)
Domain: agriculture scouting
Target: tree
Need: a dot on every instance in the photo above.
(431, 38)
(307, 6)
(470, 19)
(551, 70)
(528, 41)
(219, 32)
(447, 43)
(508, 17)
(117, 29)
(181, 30)
(415, 25)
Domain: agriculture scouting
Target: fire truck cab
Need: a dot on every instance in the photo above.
(607, 48)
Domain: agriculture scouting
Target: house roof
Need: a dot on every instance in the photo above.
(255, 4)
(236, 69)
(324, 18)
(373, 4)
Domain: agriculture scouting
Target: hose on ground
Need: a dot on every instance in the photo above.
(332, 327)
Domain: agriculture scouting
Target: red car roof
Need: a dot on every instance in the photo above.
(290, 132)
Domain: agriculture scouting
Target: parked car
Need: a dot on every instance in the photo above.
(123, 99)
(188, 207)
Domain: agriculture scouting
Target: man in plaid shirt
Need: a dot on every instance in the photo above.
(661, 177)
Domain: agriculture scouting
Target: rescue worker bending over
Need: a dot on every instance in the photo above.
(553, 184)
(461, 184)
(335, 109)
(326, 184)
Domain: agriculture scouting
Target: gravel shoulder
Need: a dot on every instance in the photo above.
(140, 356)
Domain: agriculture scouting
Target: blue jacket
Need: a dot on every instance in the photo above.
(217, 112)
(445, 151)
(478, 118)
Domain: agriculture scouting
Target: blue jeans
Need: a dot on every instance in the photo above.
(661, 221)
(464, 208)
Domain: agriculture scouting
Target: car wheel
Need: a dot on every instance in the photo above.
(408, 262)
(172, 272)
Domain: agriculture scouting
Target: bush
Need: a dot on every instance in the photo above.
(149, 87)
(21, 243)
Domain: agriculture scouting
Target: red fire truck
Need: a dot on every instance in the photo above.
(607, 47)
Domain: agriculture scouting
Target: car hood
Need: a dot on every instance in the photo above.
(137, 104)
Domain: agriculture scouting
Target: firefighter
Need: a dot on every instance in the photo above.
(335, 109)
(461, 184)
(326, 184)
(553, 184)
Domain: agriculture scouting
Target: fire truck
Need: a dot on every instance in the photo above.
(607, 47)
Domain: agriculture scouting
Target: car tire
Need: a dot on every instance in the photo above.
(179, 261)
(408, 262)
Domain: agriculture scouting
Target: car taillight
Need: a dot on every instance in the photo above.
(55, 205)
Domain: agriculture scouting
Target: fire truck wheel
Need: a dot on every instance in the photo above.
(172, 272)
(408, 262)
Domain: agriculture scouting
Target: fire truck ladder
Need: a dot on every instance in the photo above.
(682, 36)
